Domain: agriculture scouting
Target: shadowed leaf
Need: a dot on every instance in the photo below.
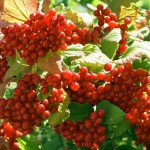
(3, 86)
(45, 6)
(52, 63)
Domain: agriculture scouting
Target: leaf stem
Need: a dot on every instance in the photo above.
(134, 38)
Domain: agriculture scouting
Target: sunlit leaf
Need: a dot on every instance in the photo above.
(94, 59)
(109, 43)
(28, 143)
(17, 11)
(16, 65)
(131, 58)
(138, 47)
(80, 19)
(124, 9)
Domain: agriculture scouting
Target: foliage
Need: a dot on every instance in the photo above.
(87, 44)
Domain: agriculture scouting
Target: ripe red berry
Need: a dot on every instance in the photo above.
(127, 20)
(40, 108)
(45, 114)
(100, 7)
(106, 11)
(108, 66)
(83, 70)
(75, 86)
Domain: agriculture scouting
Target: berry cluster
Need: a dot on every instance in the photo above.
(75, 84)
(43, 32)
(108, 20)
(125, 85)
(122, 83)
(3, 66)
(89, 133)
(51, 31)
(143, 136)
(140, 116)
(122, 86)
(24, 110)
(123, 42)
(8, 133)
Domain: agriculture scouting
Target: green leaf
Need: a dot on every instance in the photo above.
(50, 141)
(62, 114)
(79, 112)
(125, 147)
(109, 43)
(122, 127)
(22, 143)
(94, 59)
(28, 143)
(144, 63)
(138, 47)
(70, 145)
(113, 113)
(146, 4)
(74, 51)
(17, 65)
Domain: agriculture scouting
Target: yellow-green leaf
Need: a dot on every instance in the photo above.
(125, 8)
(80, 19)
(17, 11)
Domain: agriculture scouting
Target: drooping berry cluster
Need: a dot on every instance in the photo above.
(23, 106)
(24, 111)
(89, 133)
(108, 20)
(123, 42)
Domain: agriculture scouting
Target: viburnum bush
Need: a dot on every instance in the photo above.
(72, 80)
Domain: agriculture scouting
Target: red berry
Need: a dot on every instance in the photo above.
(75, 86)
(100, 7)
(45, 114)
(127, 20)
(108, 66)
(83, 70)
